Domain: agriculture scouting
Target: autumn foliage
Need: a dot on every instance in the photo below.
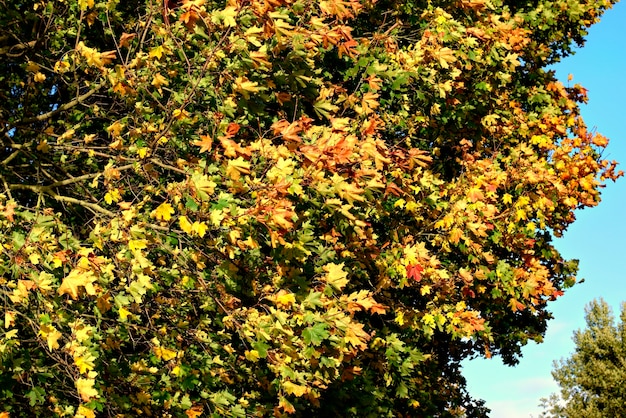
(281, 207)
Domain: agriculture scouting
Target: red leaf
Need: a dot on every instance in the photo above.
(414, 271)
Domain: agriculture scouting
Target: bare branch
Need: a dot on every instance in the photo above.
(84, 177)
(88, 205)
(7, 50)
(46, 190)
(166, 166)
(62, 108)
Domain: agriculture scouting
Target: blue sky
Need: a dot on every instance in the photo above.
(597, 238)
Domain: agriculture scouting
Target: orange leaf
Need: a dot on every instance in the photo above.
(194, 411)
(205, 144)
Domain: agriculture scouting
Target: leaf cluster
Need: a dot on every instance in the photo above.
(281, 207)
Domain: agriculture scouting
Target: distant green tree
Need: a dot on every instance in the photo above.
(592, 379)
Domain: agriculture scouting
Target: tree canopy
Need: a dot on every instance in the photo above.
(282, 207)
(592, 379)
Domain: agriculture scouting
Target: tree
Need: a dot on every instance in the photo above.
(592, 379)
(260, 207)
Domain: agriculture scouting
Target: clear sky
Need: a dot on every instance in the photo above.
(597, 238)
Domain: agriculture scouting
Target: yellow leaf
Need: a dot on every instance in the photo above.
(252, 355)
(400, 318)
(123, 313)
(78, 278)
(356, 336)
(293, 389)
(156, 52)
(335, 276)
(428, 320)
(184, 223)
(237, 167)
(445, 57)
(199, 228)
(203, 185)
(163, 212)
(226, 16)
(158, 81)
(39, 77)
(137, 244)
(33, 67)
(244, 87)
(84, 412)
(112, 195)
(34, 258)
(164, 353)
(44, 281)
(86, 389)
(115, 129)
(94, 57)
(86, 4)
(9, 318)
(51, 335)
(285, 299)
(349, 191)
(85, 363)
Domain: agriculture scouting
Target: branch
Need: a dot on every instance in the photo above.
(166, 166)
(62, 108)
(7, 49)
(88, 205)
(46, 190)
(83, 177)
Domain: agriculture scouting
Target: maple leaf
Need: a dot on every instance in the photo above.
(85, 387)
(51, 335)
(185, 225)
(244, 87)
(157, 52)
(84, 412)
(285, 405)
(194, 411)
(285, 299)
(126, 38)
(86, 4)
(78, 278)
(164, 353)
(363, 300)
(335, 276)
(293, 389)
(356, 336)
(315, 334)
(252, 355)
(158, 81)
(205, 144)
(9, 318)
(226, 16)
(9, 210)
(123, 313)
(203, 185)
(137, 244)
(199, 228)
(163, 212)
(236, 168)
(85, 362)
(414, 271)
(445, 57)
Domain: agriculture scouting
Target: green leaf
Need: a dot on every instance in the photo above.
(316, 334)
